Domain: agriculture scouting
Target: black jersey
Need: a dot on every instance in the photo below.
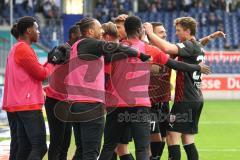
(188, 84)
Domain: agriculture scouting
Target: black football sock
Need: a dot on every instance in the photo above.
(191, 151)
(126, 157)
(114, 157)
(157, 150)
(174, 152)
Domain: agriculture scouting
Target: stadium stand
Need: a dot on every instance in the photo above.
(47, 12)
(212, 15)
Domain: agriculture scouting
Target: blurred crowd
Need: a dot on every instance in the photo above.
(106, 9)
(49, 8)
(223, 15)
(184, 5)
(210, 13)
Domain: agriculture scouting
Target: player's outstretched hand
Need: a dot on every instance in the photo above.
(155, 69)
(205, 69)
(148, 28)
(218, 34)
(59, 55)
(145, 57)
(122, 17)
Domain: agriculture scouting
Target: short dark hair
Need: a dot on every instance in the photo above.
(14, 31)
(156, 24)
(132, 25)
(73, 29)
(85, 23)
(24, 23)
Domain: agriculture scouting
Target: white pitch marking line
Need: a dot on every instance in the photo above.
(219, 150)
(219, 122)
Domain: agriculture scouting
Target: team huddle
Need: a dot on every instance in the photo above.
(109, 81)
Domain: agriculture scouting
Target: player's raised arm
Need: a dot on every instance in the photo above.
(181, 66)
(205, 40)
(163, 59)
(164, 45)
(92, 48)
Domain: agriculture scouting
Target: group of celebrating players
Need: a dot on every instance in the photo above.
(108, 80)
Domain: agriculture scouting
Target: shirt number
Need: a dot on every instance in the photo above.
(196, 74)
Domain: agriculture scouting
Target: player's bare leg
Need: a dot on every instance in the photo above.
(123, 152)
(156, 137)
(122, 149)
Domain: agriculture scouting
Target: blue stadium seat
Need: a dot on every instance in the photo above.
(230, 22)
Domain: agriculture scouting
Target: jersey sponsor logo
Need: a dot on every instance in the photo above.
(172, 118)
(198, 84)
(181, 45)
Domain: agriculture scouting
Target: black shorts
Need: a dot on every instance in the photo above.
(184, 117)
(159, 121)
(118, 127)
(126, 136)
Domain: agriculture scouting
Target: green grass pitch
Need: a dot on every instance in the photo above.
(219, 132)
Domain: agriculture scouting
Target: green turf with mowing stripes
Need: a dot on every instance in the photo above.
(219, 132)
